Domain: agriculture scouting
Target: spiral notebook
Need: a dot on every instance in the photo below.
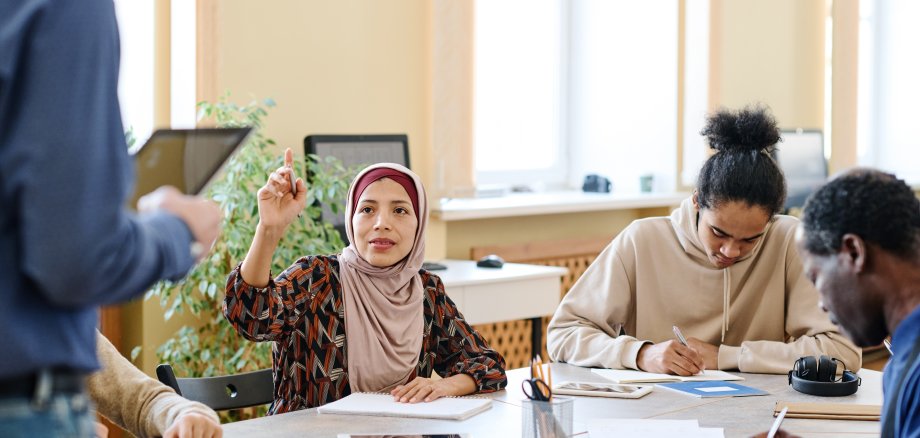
(380, 404)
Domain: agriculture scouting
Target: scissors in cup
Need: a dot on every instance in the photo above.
(536, 389)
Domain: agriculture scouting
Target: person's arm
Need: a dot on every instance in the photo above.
(68, 166)
(809, 332)
(585, 330)
(270, 312)
(261, 308)
(278, 207)
(463, 358)
(909, 405)
(461, 350)
(141, 405)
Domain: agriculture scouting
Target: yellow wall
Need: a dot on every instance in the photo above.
(770, 52)
(344, 67)
(366, 66)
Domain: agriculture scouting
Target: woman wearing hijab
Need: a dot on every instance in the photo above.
(366, 320)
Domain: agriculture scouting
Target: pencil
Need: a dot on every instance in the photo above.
(293, 182)
(777, 422)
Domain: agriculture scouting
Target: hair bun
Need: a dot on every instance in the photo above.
(752, 128)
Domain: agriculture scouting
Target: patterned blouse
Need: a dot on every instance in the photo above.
(303, 313)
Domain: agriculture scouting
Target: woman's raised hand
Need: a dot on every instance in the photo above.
(278, 204)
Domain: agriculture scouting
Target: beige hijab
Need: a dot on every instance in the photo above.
(383, 306)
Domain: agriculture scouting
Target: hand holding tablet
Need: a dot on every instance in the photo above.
(174, 166)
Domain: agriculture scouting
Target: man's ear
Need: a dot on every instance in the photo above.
(853, 251)
(695, 199)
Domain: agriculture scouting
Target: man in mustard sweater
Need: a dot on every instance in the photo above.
(723, 267)
(144, 406)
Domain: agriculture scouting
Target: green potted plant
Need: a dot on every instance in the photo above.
(213, 347)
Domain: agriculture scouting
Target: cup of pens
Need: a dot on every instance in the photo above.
(548, 419)
(545, 416)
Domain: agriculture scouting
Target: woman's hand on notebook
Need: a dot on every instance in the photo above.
(669, 357)
(425, 389)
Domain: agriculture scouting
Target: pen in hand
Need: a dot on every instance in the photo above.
(680, 336)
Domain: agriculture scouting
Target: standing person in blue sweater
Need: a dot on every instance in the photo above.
(67, 245)
(860, 243)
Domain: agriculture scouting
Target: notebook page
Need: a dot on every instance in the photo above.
(633, 376)
(651, 428)
(452, 408)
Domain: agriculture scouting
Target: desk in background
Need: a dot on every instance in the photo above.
(514, 291)
(739, 416)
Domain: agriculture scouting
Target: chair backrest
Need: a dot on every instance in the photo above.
(355, 150)
(223, 392)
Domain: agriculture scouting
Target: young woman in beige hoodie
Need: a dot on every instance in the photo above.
(723, 267)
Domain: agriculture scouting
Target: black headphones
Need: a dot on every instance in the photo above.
(819, 377)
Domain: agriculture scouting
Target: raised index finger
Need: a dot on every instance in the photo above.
(288, 157)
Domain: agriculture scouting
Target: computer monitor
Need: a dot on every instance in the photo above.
(357, 151)
(801, 157)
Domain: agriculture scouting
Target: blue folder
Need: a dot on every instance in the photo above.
(713, 388)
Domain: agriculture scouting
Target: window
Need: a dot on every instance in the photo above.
(182, 64)
(135, 80)
(137, 30)
(518, 72)
(696, 89)
(577, 87)
(888, 89)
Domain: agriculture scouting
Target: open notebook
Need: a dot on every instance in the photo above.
(379, 404)
(632, 376)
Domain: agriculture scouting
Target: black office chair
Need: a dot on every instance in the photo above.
(223, 392)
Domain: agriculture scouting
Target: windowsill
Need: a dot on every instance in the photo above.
(529, 204)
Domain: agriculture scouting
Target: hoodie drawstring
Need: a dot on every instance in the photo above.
(726, 300)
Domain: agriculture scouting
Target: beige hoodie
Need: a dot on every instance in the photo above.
(126, 396)
(762, 312)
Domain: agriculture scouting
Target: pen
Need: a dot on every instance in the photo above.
(680, 336)
(777, 422)
(293, 182)
(888, 346)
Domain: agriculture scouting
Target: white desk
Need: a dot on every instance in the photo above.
(739, 416)
(514, 291)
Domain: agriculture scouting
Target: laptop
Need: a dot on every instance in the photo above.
(187, 159)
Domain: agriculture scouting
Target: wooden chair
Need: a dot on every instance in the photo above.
(234, 391)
